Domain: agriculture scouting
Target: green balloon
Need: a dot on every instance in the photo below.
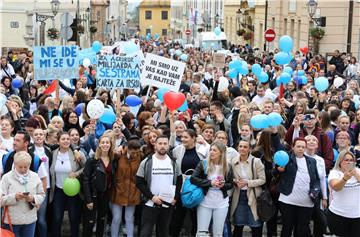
(71, 186)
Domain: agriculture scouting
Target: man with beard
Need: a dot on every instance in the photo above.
(218, 117)
(159, 180)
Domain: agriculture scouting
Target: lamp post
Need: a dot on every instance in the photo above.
(55, 4)
(217, 18)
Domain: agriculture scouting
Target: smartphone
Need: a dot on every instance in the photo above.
(26, 193)
(351, 166)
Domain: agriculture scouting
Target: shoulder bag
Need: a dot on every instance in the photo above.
(264, 204)
(5, 232)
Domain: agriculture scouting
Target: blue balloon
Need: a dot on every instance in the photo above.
(161, 92)
(183, 107)
(178, 52)
(282, 58)
(357, 102)
(256, 69)
(281, 158)
(17, 83)
(259, 121)
(300, 73)
(96, 46)
(130, 47)
(336, 154)
(184, 57)
(235, 64)
(133, 100)
(263, 77)
(285, 78)
(79, 109)
(304, 80)
(274, 119)
(298, 81)
(243, 70)
(286, 43)
(288, 70)
(278, 81)
(217, 31)
(321, 84)
(108, 116)
(233, 73)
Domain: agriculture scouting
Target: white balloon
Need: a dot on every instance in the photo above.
(338, 81)
(223, 84)
(86, 62)
(3, 100)
(95, 109)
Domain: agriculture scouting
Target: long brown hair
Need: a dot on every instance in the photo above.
(264, 144)
(98, 149)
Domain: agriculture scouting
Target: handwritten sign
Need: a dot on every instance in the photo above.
(56, 62)
(117, 72)
(219, 60)
(162, 72)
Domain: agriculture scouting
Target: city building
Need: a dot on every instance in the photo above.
(117, 22)
(154, 17)
(20, 29)
(99, 22)
(178, 18)
(340, 20)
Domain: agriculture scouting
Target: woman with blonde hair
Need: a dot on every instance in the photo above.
(97, 183)
(215, 177)
(67, 104)
(22, 194)
(57, 122)
(344, 210)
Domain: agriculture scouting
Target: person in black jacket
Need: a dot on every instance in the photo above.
(299, 187)
(97, 182)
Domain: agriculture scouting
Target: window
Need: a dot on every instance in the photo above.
(148, 31)
(164, 32)
(292, 27)
(164, 15)
(285, 27)
(292, 6)
(147, 15)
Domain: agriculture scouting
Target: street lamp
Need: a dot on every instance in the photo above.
(217, 17)
(55, 4)
(311, 7)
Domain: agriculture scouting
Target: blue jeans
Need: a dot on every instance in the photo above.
(218, 217)
(23, 230)
(41, 222)
(73, 204)
(117, 217)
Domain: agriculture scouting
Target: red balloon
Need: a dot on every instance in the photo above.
(173, 100)
(304, 50)
(93, 72)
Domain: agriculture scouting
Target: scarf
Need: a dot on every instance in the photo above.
(22, 178)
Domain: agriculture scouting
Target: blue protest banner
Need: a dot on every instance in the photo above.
(117, 72)
(56, 62)
(87, 53)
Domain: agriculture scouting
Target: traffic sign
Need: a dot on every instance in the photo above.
(187, 32)
(66, 19)
(269, 35)
(66, 32)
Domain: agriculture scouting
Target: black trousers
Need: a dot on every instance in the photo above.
(343, 226)
(271, 225)
(319, 218)
(178, 217)
(295, 218)
(97, 214)
(159, 216)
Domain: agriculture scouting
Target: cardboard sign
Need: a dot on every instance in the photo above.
(138, 58)
(117, 72)
(162, 72)
(56, 62)
(219, 60)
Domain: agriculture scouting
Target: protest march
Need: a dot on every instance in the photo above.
(157, 139)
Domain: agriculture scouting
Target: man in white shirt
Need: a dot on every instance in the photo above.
(262, 96)
(159, 180)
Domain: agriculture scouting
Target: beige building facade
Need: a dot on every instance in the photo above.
(290, 17)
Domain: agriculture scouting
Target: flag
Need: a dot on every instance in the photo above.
(51, 88)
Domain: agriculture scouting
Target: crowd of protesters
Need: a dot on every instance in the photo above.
(128, 170)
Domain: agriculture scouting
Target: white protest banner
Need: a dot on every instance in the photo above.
(162, 72)
(56, 62)
(117, 72)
